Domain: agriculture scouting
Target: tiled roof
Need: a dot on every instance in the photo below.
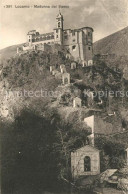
(86, 148)
(107, 125)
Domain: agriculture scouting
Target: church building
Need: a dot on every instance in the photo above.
(78, 42)
(85, 161)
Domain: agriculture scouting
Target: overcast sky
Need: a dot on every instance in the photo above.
(105, 16)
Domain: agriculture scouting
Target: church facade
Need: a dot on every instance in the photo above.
(85, 161)
(78, 42)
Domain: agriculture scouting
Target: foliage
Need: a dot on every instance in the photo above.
(112, 153)
(37, 144)
(36, 152)
(27, 156)
(22, 70)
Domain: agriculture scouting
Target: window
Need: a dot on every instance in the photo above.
(87, 164)
(29, 40)
(66, 80)
(58, 24)
(48, 37)
(74, 47)
(57, 31)
(89, 33)
(52, 37)
(73, 33)
(89, 48)
(56, 36)
(73, 40)
(66, 37)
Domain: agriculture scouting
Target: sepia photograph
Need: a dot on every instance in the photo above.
(64, 97)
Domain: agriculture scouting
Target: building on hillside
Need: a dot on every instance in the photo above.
(77, 102)
(104, 125)
(52, 68)
(65, 78)
(63, 68)
(77, 42)
(73, 65)
(85, 161)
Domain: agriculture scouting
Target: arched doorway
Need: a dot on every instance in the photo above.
(87, 164)
(66, 80)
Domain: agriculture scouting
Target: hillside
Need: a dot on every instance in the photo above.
(116, 43)
(30, 72)
(36, 127)
(9, 51)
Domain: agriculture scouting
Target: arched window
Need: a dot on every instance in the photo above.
(52, 37)
(48, 37)
(87, 164)
(45, 38)
(58, 24)
(66, 80)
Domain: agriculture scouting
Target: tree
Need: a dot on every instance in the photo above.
(36, 152)
(112, 155)
(67, 140)
(27, 155)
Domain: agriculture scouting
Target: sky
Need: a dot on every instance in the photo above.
(104, 16)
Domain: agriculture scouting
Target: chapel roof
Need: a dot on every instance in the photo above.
(87, 148)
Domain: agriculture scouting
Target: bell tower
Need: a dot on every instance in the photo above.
(59, 21)
(58, 31)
